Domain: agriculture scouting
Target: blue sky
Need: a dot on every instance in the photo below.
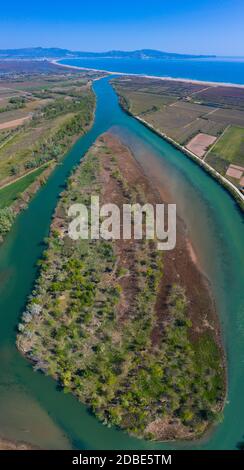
(191, 26)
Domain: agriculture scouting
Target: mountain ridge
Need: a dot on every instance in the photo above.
(57, 53)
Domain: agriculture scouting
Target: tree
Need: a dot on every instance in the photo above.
(6, 220)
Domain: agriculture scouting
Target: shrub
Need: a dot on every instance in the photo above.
(6, 220)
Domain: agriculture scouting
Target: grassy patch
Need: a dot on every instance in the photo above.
(230, 147)
(145, 102)
(46, 137)
(55, 119)
(10, 193)
(208, 359)
(217, 162)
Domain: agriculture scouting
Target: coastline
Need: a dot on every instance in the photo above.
(178, 79)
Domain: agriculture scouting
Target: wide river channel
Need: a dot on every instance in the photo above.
(32, 408)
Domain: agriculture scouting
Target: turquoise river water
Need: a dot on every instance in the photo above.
(31, 407)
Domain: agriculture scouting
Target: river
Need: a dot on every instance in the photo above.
(31, 406)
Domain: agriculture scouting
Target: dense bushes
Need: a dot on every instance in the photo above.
(6, 220)
(16, 102)
(54, 146)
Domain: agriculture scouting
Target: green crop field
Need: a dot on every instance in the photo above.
(229, 149)
(10, 193)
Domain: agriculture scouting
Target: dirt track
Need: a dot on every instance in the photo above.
(14, 123)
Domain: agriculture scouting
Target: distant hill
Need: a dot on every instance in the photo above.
(57, 53)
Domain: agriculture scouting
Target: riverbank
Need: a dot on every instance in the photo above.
(228, 185)
(69, 137)
(105, 317)
(231, 188)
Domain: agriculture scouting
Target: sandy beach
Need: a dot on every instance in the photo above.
(178, 79)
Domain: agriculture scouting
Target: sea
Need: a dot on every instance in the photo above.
(220, 69)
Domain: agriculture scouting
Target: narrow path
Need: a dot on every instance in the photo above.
(190, 123)
(202, 89)
(14, 123)
(211, 112)
(8, 140)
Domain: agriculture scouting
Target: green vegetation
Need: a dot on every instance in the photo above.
(142, 103)
(56, 144)
(10, 193)
(93, 332)
(229, 149)
(55, 123)
(6, 220)
(6, 135)
(54, 135)
(16, 102)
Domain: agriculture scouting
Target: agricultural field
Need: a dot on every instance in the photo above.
(174, 110)
(172, 89)
(229, 116)
(39, 120)
(37, 68)
(41, 114)
(200, 143)
(11, 192)
(222, 97)
(10, 67)
(129, 333)
(229, 150)
(182, 123)
(187, 112)
(143, 103)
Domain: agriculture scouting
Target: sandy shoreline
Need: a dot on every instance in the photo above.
(178, 79)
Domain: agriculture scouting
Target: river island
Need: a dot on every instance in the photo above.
(130, 331)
